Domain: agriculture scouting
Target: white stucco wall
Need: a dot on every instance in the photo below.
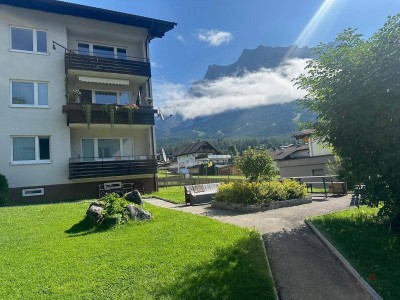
(50, 68)
(317, 148)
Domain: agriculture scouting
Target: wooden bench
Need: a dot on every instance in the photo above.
(339, 188)
(200, 193)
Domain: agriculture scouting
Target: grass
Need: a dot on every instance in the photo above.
(47, 252)
(175, 194)
(368, 245)
(163, 174)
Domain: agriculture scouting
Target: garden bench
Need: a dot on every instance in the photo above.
(339, 188)
(200, 193)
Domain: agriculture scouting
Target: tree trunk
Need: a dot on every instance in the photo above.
(395, 223)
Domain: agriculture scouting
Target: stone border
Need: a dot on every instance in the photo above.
(269, 266)
(250, 208)
(349, 268)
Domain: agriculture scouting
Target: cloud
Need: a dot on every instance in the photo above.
(180, 38)
(215, 37)
(263, 87)
(155, 65)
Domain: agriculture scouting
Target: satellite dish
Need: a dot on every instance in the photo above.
(164, 156)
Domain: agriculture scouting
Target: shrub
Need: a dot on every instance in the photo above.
(256, 164)
(260, 192)
(294, 190)
(3, 190)
(114, 209)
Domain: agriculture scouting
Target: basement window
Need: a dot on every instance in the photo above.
(33, 192)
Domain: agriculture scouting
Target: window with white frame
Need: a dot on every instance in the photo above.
(107, 148)
(29, 93)
(33, 149)
(28, 40)
(102, 50)
(109, 97)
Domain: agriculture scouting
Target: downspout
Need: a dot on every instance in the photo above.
(149, 92)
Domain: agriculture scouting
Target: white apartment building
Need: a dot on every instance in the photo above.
(76, 105)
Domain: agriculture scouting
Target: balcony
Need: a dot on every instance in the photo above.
(94, 167)
(129, 66)
(99, 115)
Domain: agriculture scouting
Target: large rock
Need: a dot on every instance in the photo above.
(138, 213)
(134, 197)
(95, 212)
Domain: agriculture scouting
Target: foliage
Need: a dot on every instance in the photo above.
(377, 251)
(256, 164)
(114, 209)
(3, 190)
(87, 110)
(260, 192)
(73, 96)
(130, 108)
(353, 86)
(57, 257)
(111, 110)
(233, 151)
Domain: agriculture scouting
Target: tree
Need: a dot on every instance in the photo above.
(233, 151)
(354, 86)
(256, 164)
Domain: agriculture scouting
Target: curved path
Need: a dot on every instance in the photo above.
(302, 266)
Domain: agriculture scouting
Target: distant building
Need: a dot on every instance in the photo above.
(196, 154)
(310, 158)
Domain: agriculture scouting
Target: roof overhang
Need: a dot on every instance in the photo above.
(156, 28)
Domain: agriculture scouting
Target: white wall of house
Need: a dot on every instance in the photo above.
(317, 148)
(186, 161)
(49, 68)
(33, 121)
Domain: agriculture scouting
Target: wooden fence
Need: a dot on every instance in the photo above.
(181, 180)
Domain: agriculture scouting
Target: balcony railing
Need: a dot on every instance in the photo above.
(128, 65)
(94, 167)
(99, 115)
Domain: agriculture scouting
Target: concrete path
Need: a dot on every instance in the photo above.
(302, 266)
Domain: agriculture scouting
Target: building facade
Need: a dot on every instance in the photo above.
(310, 158)
(76, 100)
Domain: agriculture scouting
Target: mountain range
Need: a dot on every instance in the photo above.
(262, 121)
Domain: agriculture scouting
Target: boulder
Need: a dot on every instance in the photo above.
(134, 197)
(95, 212)
(137, 213)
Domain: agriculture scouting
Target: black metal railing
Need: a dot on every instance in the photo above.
(93, 167)
(127, 65)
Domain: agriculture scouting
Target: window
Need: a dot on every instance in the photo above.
(106, 148)
(33, 192)
(31, 149)
(28, 40)
(102, 50)
(26, 93)
(105, 97)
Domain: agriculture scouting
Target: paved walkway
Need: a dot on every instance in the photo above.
(302, 266)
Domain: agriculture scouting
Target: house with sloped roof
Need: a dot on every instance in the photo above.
(198, 153)
(307, 158)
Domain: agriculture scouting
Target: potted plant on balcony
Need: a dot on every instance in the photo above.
(87, 110)
(130, 109)
(111, 111)
(73, 96)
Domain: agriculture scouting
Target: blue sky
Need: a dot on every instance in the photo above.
(216, 32)
(181, 57)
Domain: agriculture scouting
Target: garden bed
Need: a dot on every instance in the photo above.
(250, 208)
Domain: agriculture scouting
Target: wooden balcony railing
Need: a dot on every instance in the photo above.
(136, 67)
(98, 115)
(93, 167)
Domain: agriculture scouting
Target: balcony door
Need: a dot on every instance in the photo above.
(107, 149)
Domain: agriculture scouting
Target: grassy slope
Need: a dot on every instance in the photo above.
(175, 194)
(174, 256)
(368, 246)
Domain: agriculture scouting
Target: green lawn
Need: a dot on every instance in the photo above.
(175, 194)
(48, 253)
(163, 173)
(367, 245)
